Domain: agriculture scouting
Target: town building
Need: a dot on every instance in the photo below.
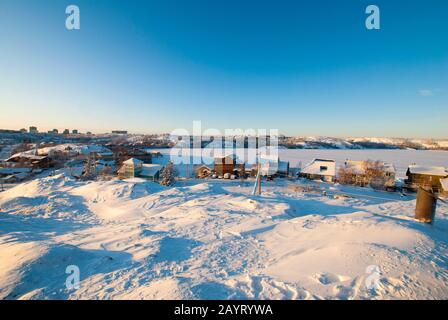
(427, 177)
(320, 169)
(273, 166)
(225, 165)
(228, 165)
(29, 161)
(151, 171)
(203, 172)
(134, 168)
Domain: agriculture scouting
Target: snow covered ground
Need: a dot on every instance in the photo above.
(213, 240)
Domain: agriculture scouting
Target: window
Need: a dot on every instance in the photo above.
(323, 168)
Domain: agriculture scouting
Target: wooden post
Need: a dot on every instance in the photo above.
(426, 203)
(259, 178)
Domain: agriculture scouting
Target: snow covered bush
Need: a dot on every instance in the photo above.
(346, 176)
(367, 173)
(376, 174)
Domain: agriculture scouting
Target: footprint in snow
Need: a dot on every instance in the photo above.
(329, 278)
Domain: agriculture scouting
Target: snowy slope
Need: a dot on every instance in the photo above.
(67, 147)
(366, 143)
(213, 240)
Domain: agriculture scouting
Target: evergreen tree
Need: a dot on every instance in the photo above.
(168, 175)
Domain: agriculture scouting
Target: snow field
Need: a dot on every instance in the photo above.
(213, 240)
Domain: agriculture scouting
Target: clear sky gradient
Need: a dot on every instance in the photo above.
(303, 67)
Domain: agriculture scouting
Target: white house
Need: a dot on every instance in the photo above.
(425, 176)
(133, 168)
(272, 165)
(320, 169)
(151, 171)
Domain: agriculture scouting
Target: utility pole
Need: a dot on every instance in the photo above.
(257, 185)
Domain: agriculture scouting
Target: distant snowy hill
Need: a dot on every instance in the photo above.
(363, 143)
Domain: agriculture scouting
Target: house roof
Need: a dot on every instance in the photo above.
(26, 156)
(14, 170)
(428, 170)
(133, 162)
(149, 170)
(269, 157)
(323, 167)
(67, 147)
(105, 153)
(444, 183)
(203, 166)
(233, 159)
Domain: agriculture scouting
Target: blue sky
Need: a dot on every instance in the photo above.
(303, 67)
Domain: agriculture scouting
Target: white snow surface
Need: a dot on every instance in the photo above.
(67, 147)
(325, 167)
(213, 240)
(435, 171)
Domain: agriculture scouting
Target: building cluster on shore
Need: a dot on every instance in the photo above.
(363, 173)
(127, 161)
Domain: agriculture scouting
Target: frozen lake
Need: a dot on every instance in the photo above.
(400, 158)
